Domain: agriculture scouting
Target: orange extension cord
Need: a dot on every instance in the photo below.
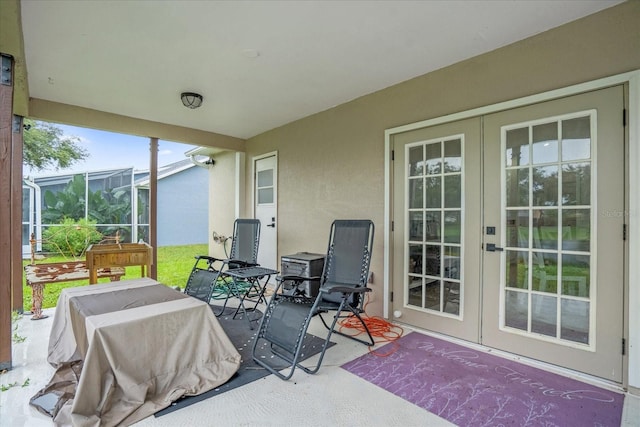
(381, 330)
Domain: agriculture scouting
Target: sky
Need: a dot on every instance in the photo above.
(110, 150)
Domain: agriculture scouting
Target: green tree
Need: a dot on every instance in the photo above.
(111, 206)
(68, 203)
(46, 146)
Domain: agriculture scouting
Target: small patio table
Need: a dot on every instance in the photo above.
(252, 276)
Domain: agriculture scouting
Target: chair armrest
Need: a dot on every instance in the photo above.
(240, 262)
(345, 289)
(296, 278)
(209, 259)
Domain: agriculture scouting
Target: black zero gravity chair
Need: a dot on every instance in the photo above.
(342, 287)
(208, 272)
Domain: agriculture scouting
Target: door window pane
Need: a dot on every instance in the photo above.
(545, 143)
(451, 298)
(453, 156)
(265, 195)
(516, 269)
(415, 226)
(544, 315)
(576, 184)
(517, 151)
(576, 139)
(452, 189)
(576, 273)
(517, 230)
(434, 192)
(517, 310)
(433, 152)
(432, 226)
(545, 185)
(265, 178)
(415, 193)
(576, 229)
(544, 272)
(416, 161)
(451, 262)
(575, 321)
(452, 226)
(517, 187)
(545, 229)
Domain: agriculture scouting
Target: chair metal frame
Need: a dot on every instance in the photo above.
(342, 288)
(244, 253)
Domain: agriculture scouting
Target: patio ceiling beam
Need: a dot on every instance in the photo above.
(41, 109)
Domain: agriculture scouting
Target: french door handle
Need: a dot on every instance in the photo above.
(273, 224)
(491, 247)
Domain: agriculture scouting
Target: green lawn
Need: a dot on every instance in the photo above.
(174, 265)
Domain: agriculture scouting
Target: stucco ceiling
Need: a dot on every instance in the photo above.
(258, 64)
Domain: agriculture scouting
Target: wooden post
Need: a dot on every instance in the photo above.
(153, 206)
(16, 214)
(6, 150)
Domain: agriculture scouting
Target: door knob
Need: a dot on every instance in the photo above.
(491, 247)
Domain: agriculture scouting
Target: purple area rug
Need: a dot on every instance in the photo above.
(472, 388)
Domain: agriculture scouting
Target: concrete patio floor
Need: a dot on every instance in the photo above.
(331, 397)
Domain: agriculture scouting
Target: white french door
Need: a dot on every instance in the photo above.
(508, 230)
(554, 193)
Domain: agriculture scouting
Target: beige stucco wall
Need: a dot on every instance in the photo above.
(331, 164)
(222, 196)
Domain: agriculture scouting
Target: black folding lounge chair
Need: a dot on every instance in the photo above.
(207, 274)
(342, 287)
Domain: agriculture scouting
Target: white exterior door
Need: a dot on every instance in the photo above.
(265, 196)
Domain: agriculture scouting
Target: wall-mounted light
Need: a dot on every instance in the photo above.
(191, 100)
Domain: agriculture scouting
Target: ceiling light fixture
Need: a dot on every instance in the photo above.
(191, 100)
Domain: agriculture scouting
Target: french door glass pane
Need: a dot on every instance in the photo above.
(452, 188)
(416, 161)
(433, 159)
(517, 269)
(575, 275)
(544, 315)
(576, 184)
(576, 139)
(434, 185)
(575, 321)
(416, 225)
(517, 188)
(547, 228)
(545, 143)
(517, 230)
(545, 185)
(517, 310)
(453, 156)
(415, 195)
(452, 226)
(517, 151)
(434, 192)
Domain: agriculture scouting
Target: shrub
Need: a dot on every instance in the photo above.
(71, 238)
